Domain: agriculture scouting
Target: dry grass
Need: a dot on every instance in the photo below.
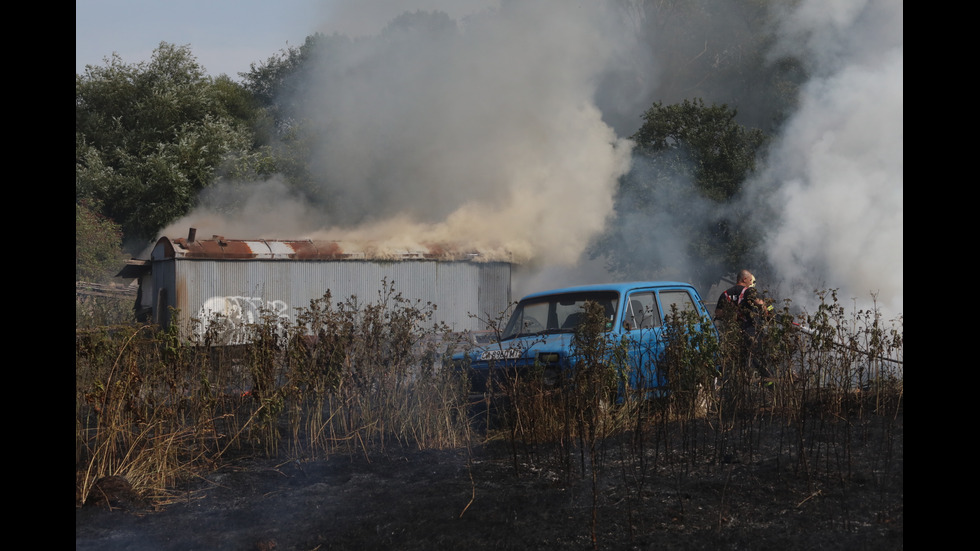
(345, 379)
(364, 378)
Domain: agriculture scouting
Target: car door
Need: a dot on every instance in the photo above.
(642, 328)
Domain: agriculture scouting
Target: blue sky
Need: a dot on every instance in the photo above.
(227, 36)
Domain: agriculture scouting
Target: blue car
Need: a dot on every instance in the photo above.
(539, 338)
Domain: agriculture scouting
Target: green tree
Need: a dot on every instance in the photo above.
(280, 86)
(98, 246)
(721, 151)
(677, 212)
(150, 136)
(278, 83)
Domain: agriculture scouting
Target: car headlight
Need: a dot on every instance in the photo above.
(548, 357)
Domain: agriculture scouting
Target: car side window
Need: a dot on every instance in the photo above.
(682, 299)
(642, 311)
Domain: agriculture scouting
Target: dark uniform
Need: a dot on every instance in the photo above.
(737, 308)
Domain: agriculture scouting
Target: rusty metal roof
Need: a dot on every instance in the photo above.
(220, 248)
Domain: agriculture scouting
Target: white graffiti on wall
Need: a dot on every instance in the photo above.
(232, 319)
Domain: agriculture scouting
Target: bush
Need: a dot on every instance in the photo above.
(98, 245)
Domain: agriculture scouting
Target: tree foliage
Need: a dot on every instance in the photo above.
(720, 151)
(150, 136)
(679, 201)
(277, 83)
(280, 86)
(98, 245)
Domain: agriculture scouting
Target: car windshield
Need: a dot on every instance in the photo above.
(557, 313)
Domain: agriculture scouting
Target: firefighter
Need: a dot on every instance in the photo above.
(739, 311)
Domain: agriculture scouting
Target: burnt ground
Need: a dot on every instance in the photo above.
(755, 491)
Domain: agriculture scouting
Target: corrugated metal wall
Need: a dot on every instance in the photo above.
(241, 289)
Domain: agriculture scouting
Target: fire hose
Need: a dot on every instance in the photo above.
(813, 333)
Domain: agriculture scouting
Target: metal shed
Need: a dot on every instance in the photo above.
(236, 281)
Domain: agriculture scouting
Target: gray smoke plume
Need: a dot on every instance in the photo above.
(479, 132)
(489, 126)
(837, 168)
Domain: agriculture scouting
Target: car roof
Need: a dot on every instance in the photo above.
(620, 287)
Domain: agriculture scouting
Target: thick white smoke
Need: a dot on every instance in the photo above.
(477, 127)
(838, 167)
(479, 133)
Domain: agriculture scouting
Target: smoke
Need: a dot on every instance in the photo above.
(487, 126)
(473, 133)
(268, 209)
(836, 173)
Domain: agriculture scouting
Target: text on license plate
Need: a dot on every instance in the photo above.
(502, 354)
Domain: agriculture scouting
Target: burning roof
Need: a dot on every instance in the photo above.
(221, 248)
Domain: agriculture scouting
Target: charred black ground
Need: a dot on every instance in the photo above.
(763, 485)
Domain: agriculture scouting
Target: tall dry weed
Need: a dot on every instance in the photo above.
(369, 377)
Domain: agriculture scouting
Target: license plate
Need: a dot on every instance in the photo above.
(502, 354)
